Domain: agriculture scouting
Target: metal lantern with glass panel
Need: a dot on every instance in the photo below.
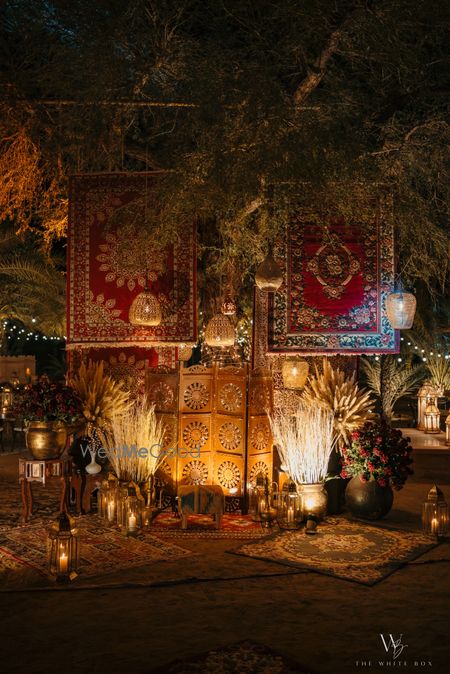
(64, 549)
(427, 393)
(269, 276)
(401, 309)
(295, 373)
(435, 515)
(432, 418)
(131, 508)
(7, 399)
(289, 512)
(107, 500)
(257, 500)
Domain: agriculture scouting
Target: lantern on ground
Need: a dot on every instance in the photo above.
(435, 516)
(314, 500)
(257, 501)
(289, 512)
(219, 332)
(447, 431)
(107, 500)
(401, 309)
(295, 373)
(145, 309)
(7, 399)
(427, 393)
(432, 418)
(131, 512)
(64, 551)
(268, 276)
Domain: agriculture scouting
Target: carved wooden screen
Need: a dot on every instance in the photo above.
(260, 403)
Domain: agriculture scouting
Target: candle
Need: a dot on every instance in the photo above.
(132, 522)
(290, 514)
(111, 511)
(262, 505)
(63, 563)
(434, 525)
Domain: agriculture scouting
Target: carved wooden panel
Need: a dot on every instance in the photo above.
(162, 389)
(259, 435)
(257, 465)
(195, 471)
(229, 473)
(195, 432)
(196, 391)
(229, 434)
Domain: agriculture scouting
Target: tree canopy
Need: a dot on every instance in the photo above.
(250, 105)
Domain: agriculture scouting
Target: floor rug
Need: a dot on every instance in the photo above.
(102, 550)
(245, 657)
(353, 551)
(168, 525)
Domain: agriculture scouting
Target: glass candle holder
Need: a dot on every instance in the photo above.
(289, 512)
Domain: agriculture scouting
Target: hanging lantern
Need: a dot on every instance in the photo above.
(314, 500)
(435, 516)
(447, 431)
(427, 393)
(145, 309)
(228, 307)
(269, 276)
(64, 552)
(400, 309)
(432, 418)
(295, 373)
(184, 353)
(219, 332)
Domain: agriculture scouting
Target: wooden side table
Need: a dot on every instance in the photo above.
(32, 470)
(84, 484)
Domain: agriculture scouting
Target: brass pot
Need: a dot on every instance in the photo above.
(45, 439)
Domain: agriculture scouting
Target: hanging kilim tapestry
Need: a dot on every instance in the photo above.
(337, 275)
(111, 258)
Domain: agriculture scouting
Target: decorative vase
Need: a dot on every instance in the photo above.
(314, 500)
(45, 439)
(93, 467)
(367, 500)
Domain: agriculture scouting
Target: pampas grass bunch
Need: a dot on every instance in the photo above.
(138, 427)
(304, 441)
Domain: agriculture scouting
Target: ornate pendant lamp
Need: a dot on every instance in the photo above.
(401, 309)
(295, 373)
(219, 332)
(268, 276)
(145, 309)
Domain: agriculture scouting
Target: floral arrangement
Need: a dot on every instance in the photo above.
(48, 401)
(378, 452)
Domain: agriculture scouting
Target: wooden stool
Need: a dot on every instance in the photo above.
(83, 485)
(205, 499)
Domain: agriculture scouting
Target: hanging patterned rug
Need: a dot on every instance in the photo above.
(244, 656)
(168, 525)
(102, 550)
(353, 551)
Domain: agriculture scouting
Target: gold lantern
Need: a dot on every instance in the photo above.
(269, 276)
(401, 309)
(131, 511)
(314, 500)
(295, 373)
(145, 309)
(435, 517)
(184, 352)
(7, 400)
(447, 431)
(427, 393)
(219, 332)
(64, 550)
(289, 512)
(107, 500)
(432, 418)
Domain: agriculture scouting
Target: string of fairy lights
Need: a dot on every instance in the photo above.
(418, 351)
(12, 330)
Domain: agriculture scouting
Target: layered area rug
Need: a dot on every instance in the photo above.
(353, 551)
(103, 550)
(168, 525)
(245, 657)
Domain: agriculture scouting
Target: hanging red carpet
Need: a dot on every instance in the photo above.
(337, 275)
(112, 256)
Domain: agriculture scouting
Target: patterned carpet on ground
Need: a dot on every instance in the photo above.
(353, 551)
(103, 550)
(168, 525)
(245, 657)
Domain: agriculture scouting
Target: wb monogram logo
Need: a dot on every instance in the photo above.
(396, 645)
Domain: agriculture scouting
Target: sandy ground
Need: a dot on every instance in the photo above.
(180, 609)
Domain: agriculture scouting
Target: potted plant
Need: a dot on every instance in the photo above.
(377, 459)
(47, 410)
